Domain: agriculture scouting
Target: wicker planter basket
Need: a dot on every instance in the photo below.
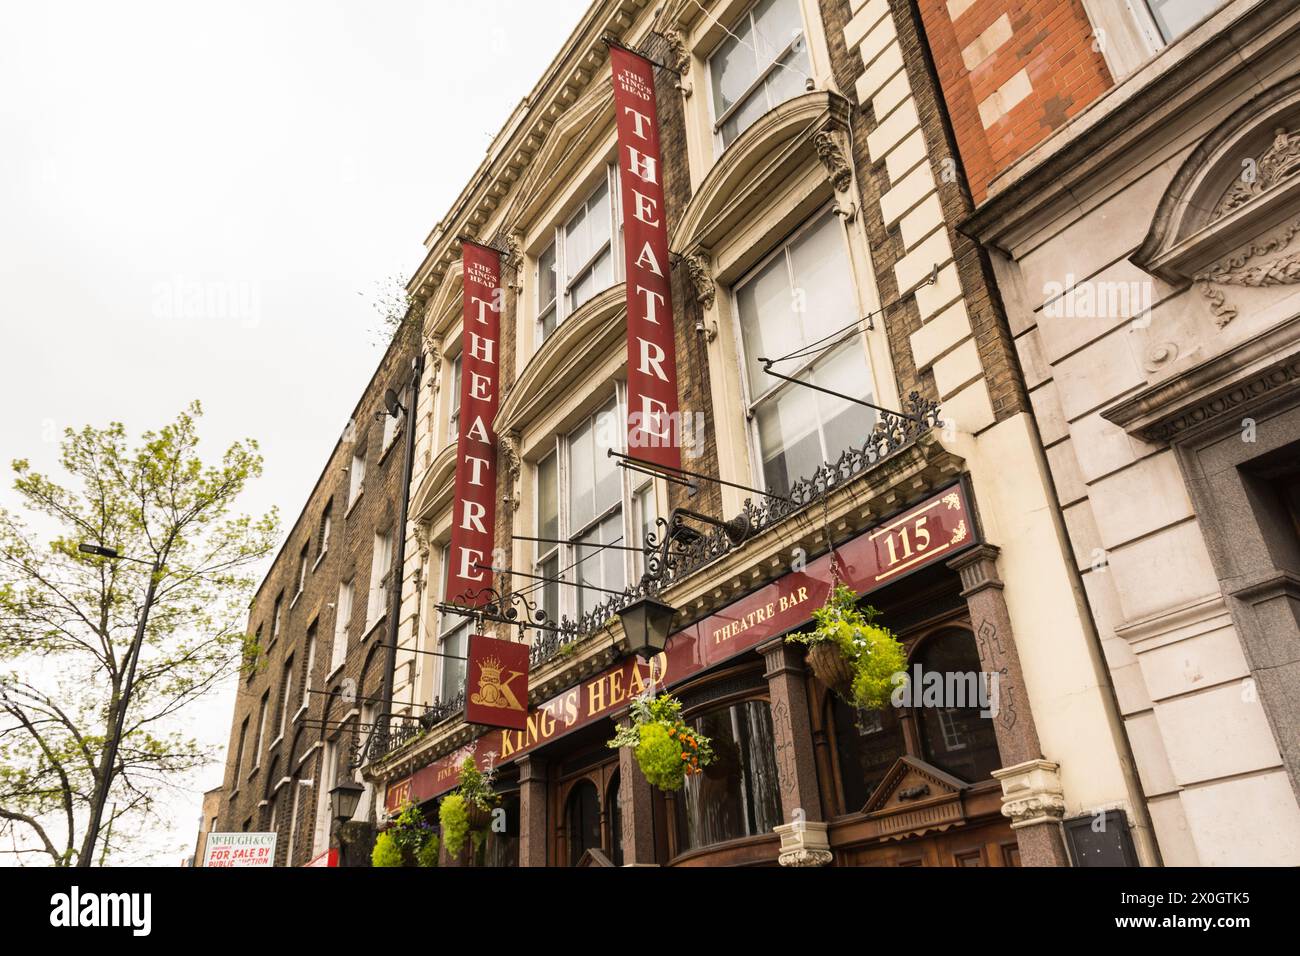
(479, 818)
(830, 667)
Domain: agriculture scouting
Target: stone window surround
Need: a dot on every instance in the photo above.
(782, 212)
(581, 178)
(1242, 544)
(701, 40)
(747, 401)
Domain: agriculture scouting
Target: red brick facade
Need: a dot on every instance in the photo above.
(1050, 40)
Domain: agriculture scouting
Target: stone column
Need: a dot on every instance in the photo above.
(803, 836)
(637, 809)
(532, 811)
(1031, 786)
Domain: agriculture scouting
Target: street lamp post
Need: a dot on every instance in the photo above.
(124, 698)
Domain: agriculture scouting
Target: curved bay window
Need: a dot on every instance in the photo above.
(738, 794)
(798, 305)
(956, 738)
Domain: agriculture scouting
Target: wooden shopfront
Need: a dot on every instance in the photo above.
(905, 786)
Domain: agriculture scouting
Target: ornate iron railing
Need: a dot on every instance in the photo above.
(674, 553)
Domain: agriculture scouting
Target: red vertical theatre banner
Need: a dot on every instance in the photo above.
(474, 515)
(653, 423)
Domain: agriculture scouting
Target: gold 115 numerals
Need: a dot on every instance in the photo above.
(908, 541)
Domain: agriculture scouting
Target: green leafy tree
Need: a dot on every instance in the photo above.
(69, 620)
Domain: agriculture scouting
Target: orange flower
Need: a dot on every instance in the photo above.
(686, 756)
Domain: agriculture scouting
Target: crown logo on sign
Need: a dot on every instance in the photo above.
(490, 670)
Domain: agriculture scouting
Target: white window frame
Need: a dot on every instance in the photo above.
(451, 627)
(277, 611)
(326, 773)
(1149, 23)
(307, 685)
(326, 526)
(565, 277)
(379, 572)
(286, 694)
(454, 368)
(716, 121)
(303, 557)
(342, 623)
(240, 753)
(751, 404)
(357, 476)
(631, 486)
(293, 822)
(261, 729)
(393, 423)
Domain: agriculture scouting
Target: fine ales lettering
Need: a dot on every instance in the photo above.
(474, 519)
(651, 354)
(935, 529)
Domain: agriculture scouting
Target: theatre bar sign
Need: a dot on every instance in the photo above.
(936, 529)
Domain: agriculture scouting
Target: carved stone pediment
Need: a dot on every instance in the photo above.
(1224, 218)
(803, 134)
(1269, 261)
(916, 798)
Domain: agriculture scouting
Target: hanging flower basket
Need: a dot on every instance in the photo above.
(830, 667)
(859, 660)
(466, 812)
(666, 748)
(408, 841)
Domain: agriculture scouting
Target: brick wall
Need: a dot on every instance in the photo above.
(349, 554)
(962, 311)
(693, 386)
(1012, 71)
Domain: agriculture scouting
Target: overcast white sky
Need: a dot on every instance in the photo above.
(279, 159)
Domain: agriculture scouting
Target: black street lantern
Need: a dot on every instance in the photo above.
(344, 798)
(646, 624)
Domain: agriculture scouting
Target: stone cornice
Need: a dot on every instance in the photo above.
(523, 136)
(577, 343)
(1207, 394)
(761, 157)
(434, 492)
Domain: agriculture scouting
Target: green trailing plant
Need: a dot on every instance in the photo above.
(79, 737)
(666, 748)
(870, 654)
(454, 817)
(466, 811)
(409, 841)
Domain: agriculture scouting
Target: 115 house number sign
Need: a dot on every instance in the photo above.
(920, 536)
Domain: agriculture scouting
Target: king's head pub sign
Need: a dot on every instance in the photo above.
(936, 529)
